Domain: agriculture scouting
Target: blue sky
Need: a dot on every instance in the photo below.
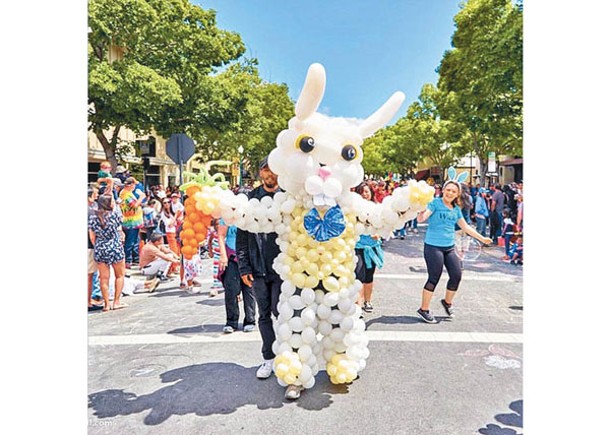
(369, 49)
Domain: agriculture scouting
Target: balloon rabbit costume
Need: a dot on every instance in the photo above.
(318, 220)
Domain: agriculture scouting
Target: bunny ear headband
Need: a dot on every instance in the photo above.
(452, 176)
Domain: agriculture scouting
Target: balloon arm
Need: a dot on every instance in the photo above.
(385, 217)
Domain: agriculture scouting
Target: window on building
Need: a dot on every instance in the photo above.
(92, 170)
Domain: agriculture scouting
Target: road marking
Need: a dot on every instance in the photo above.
(404, 336)
(424, 276)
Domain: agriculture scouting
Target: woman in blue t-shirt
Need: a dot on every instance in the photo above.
(439, 250)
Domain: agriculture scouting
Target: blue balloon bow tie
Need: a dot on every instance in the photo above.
(323, 229)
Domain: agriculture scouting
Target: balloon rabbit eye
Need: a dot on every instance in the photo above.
(349, 152)
(305, 143)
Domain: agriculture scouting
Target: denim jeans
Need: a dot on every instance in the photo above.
(132, 248)
(481, 226)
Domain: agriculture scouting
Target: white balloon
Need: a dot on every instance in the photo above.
(324, 327)
(314, 185)
(284, 332)
(308, 335)
(323, 312)
(337, 334)
(347, 324)
(308, 316)
(296, 324)
(309, 384)
(295, 341)
(336, 316)
(331, 299)
(296, 302)
(308, 296)
(305, 351)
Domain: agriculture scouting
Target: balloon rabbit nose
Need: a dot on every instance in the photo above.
(324, 172)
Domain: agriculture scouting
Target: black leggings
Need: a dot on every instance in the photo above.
(437, 257)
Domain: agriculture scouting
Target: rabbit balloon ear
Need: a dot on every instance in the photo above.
(382, 116)
(312, 92)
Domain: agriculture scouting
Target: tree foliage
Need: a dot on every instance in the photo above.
(481, 78)
(419, 135)
(266, 111)
(155, 64)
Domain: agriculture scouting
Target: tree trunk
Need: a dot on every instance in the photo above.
(109, 146)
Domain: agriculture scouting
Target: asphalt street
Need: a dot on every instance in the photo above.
(163, 365)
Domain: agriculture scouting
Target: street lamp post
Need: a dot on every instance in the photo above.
(240, 149)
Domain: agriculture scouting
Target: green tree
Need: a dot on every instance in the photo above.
(421, 135)
(155, 65)
(481, 78)
(376, 148)
(266, 111)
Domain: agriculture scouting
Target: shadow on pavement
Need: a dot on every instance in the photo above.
(206, 389)
(198, 329)
(391, 320)
(512, 419)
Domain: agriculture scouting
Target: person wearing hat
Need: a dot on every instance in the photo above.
(122, 173)
(481, 211)
(177, 207)
(133, 220)
(255, 253)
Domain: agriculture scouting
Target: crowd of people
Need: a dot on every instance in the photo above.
(131, 227)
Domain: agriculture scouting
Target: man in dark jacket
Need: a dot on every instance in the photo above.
(256, 252)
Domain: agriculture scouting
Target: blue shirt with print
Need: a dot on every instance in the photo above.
(441, 229)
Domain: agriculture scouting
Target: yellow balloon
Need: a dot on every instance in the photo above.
(311, 281)
(312, 255)
(312, 269)
(299, 279)
(331, 284)
(297, 267)
(282, 369)
(302, 239)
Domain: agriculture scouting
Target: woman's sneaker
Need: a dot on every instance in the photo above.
(367, 307)
(448, 308)
(426, 316)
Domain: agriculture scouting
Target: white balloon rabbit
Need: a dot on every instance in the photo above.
(318, 220)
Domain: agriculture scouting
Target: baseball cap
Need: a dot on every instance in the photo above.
(264, 163)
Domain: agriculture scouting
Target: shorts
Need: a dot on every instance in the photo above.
(363, 273)
(91, 264)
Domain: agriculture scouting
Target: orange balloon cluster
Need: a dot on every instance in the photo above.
(194, 228)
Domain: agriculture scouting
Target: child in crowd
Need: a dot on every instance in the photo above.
(516, 252)
(507, 232)
(191, 269)
(104, 177)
